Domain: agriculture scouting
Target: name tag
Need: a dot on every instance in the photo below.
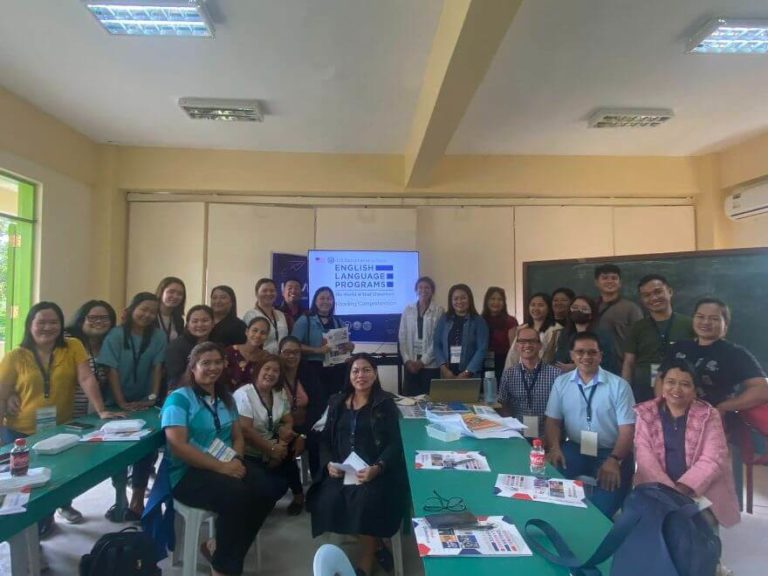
(418, 347)
(455, 354)
(588, 443)
(45, 418)
(221, 451)
(533, 426)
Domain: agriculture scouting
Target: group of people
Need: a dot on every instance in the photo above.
(608, 388)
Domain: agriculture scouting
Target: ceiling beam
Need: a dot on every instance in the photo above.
(468, 35)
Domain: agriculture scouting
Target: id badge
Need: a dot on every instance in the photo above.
(533, 426)
(418, 347)
(654, 373)
(45, 418)
(455, 354)
(588, 443)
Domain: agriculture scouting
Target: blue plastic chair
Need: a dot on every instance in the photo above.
(330, 560)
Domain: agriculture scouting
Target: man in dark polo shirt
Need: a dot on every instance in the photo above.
(615, 313)
(650, 338)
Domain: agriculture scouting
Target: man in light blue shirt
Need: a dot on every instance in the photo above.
(595, 408)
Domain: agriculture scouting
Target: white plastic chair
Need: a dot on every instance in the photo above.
(330, 560)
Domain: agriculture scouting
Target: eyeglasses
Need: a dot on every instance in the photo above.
(585, 309)
(587, 353)
(97, 319)
(438, 503)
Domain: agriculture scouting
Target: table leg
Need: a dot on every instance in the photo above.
(118, 511)
(25, 552)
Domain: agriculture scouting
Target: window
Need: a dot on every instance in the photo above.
(17, 224)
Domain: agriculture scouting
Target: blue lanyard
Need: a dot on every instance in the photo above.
(530, 387)
(589, 402)
(353, 428)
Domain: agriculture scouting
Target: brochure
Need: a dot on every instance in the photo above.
(472, 461)
(335, 338)
(351, 466)
(493, 536)
(14, 502)
(101, 436)
(552, 490)
(476, 426)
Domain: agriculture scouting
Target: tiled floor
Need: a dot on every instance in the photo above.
(288, 549)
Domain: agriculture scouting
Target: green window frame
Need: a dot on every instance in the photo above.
(18, 260)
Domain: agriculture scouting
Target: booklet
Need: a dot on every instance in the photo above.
(351, 466)
(553, 490)
(101, 436)
(473, 461)
(476, 426)
(492, 536)
(335, 338)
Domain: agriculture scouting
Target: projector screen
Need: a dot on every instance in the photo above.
(371, 287)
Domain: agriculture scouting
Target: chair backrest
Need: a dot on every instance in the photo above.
(330, 560)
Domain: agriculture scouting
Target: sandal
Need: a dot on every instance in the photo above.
(206, 552)
(128, 515)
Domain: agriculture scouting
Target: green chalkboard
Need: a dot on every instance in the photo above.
(738, 277)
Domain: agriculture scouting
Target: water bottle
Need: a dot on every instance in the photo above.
(538, 463)
(489, 387)
(20, 458)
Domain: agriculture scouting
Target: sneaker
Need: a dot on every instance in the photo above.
(70, 514)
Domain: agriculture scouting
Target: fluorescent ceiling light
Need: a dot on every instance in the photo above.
(222, 109)
(727, 36)
(629, 117)
(152, 17)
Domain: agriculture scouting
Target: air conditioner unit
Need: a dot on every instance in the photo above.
(747, 202)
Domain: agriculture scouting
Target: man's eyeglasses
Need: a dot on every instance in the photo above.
(587, 353)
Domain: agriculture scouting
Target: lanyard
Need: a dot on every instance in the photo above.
(420, 322)
(167, 329)
(294, 391)
(530, 387)
(136, 358)
(329, 324)
(214, 411)
(272, 321)
(456, 332)
(353, 428)
(662, 331)
(589, 402)
(46, 374)
(270, 420)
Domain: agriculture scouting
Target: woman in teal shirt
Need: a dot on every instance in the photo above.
(195, 416)
(134, 353)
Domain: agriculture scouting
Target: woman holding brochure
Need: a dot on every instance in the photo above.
(362, 432)
(200, 418)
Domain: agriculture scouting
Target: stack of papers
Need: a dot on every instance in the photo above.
(118, 431)
(493, 536)
(34, 477)
(552, 490)
(446, 460)
(14, 503)
(351, 466)
(476, 426)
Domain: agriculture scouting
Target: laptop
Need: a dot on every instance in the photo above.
(455, 390)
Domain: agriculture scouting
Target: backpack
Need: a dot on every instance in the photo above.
(125, 553)
(659, 532)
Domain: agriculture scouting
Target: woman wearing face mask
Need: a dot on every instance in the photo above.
(134, 353)
(266, 294)
(242, 357)
(562, 298)
(228, 329)
(417, 326)
(172, 296)
(501, 327)
(363, 419)
(680, 442)
(539, 317)
(38, 381)
(270, 439)
(461, 336)
(582, 317)
(197, 330)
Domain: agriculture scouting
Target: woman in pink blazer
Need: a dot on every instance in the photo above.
(679, 442)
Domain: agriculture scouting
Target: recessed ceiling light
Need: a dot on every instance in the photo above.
(728, 36)
(629, 117)
(152, 17)
(222, 109)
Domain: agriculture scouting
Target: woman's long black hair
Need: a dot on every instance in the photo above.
(127, 325)
(28, 341)
(177, 314)
(348, 388)
(75, 326)
(221, 387)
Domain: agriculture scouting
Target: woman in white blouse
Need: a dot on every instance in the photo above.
(270, 440)
(417, 326)
(266, 294)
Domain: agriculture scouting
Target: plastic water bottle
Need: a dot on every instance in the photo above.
(20, 458)
(538, 463)
(489, 387)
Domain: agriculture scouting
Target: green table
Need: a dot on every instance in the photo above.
(583, 529)
(77, 470)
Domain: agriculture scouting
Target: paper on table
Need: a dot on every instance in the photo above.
(120, 426)
(351, 466)
(496, 536)
(552, 490)
(480, 427)
(14, 503)
(34, 477)
(473, 461)
(100, 436)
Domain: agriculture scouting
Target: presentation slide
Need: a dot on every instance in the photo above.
(365, 282)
